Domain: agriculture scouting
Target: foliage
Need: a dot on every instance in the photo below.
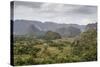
(29, 50)
(51, 35)
(86, 46)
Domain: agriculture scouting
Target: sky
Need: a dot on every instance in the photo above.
(55, 12)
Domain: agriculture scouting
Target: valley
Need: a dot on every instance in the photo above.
(51, 48)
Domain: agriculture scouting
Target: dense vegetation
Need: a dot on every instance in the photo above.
(52, 35)
(29, 50)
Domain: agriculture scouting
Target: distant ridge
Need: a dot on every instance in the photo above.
(22, 27)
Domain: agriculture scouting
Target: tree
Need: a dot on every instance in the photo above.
(86, 46)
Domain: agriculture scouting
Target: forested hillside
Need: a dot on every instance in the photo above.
(52, 48)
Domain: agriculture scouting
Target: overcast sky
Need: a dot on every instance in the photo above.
(59, 13)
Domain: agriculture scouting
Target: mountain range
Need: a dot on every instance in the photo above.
(22, 27)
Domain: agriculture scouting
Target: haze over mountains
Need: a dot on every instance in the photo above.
(37, 18)
(22, 27)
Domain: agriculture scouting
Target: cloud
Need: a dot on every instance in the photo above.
(85, 10)
(28, 4)
(59, 13)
